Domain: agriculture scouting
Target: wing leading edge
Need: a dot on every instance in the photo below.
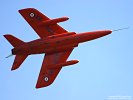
(47, 75)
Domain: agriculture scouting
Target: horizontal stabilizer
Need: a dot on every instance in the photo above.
(19, 59)
(13, 40)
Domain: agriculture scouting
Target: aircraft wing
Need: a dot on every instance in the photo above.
(34, 18)
(47, 75)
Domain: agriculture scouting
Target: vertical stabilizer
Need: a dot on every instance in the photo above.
(19, 59)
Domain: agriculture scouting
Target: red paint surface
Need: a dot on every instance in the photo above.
(55, 42)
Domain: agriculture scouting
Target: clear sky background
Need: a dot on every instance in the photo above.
(106, 64)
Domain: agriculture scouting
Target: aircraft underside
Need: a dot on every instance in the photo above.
(56, 42)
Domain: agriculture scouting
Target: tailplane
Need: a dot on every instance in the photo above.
(19, 59)
(13, 40)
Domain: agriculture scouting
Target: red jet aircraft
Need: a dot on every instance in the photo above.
(54, 41)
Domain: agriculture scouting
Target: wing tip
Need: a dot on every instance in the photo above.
(38, 86)
(21, 11)
(14, 68)
(6, 35)
(44, 82)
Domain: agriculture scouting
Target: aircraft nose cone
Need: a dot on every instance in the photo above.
(103, 33)
(108, 32)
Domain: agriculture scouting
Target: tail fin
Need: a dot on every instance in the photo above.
(18, 61)
(18, 58)
(13, 40)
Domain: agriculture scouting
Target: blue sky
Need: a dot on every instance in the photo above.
(106, 64)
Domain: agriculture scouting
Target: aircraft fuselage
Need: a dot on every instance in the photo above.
(57, 43)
